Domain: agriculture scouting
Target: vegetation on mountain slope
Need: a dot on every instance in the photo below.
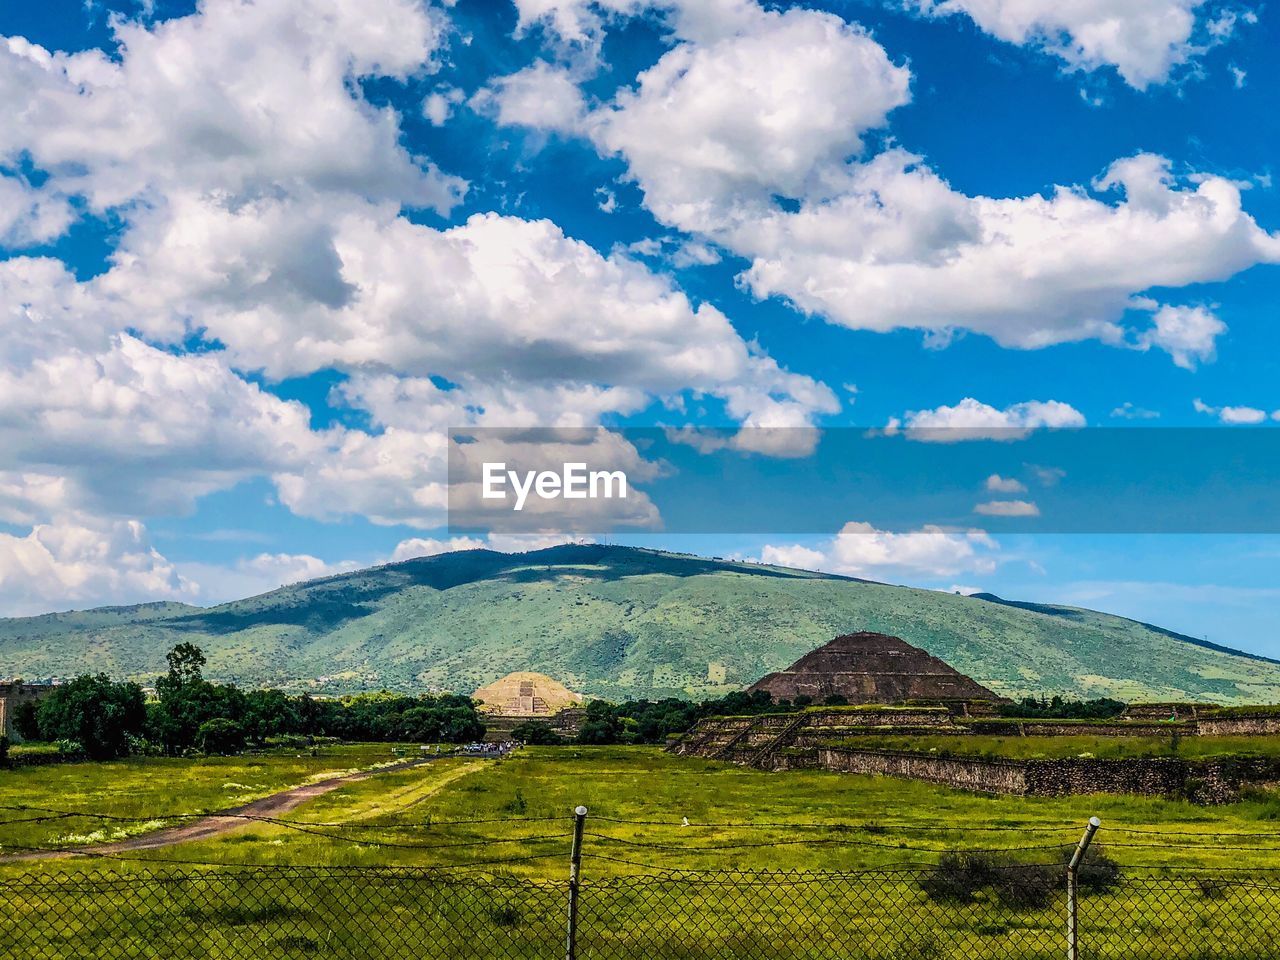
(619, 622)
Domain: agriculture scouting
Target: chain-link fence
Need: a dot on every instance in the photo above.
(957, 909)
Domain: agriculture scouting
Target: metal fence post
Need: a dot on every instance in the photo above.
(1073, 939)
(575, 862)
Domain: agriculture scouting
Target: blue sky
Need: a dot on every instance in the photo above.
(257, 259)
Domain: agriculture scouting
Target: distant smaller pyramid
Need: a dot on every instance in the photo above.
(871, 668)
(526, 695)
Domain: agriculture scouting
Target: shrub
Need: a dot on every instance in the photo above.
(70, 749)
(599, 732)
(1029, 887)
(920, 946)
(505, 915)
(296, 942)
(1097, 873)
(958, 877)
(1058, 708)
(142, 747)
(4, 750)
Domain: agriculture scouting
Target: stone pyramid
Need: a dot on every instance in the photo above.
(872, 668)
(526, 695)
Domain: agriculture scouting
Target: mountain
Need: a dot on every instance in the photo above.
(621, 622)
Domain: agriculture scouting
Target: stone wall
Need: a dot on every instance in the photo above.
(984, 776)
(877, 718)
(566, 723)
(1218, 780)
(1237, 726)
(1060, 728)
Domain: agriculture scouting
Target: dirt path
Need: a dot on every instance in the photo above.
(225, 820)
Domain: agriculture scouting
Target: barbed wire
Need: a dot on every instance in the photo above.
(1029, 827)
(832, 841)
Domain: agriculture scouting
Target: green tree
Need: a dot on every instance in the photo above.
(186, 700)
(270, 713)
(100, 715)
(220, 736)
(186, 667)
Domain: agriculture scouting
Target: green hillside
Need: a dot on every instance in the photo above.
(621, 622)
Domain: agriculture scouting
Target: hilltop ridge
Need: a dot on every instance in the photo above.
(615, 621)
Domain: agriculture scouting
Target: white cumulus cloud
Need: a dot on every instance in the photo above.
(755, 138)
(74, 564)
(1144, 40)
(540, 96)
(860, 550)
(1235, 416)
(971, 419)
(717, 130)
(998, 484)
(1188, 334)
(234, 98)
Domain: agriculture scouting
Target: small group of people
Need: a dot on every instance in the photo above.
(477, 748)
(499, 748)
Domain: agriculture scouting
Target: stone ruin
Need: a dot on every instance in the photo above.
(13, 694)
(872, 668)
(879, 674)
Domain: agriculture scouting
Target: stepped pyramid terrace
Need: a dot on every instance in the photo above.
(871, 668)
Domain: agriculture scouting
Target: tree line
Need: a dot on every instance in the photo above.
(103, 719)
(654, 721)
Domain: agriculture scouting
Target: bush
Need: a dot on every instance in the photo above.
(958, 877)
(70, 749)
(220, 736)
(4, 750)
(1029, 887)
(1098, 873)
(1057, 708)
(142, 747)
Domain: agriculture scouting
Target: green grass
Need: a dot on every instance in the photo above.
(878, 823)
(1049, 748)
(153, 787)
(19, 750)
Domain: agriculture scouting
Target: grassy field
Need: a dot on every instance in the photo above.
(153, 787)
(805, 820)
(865, 822)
